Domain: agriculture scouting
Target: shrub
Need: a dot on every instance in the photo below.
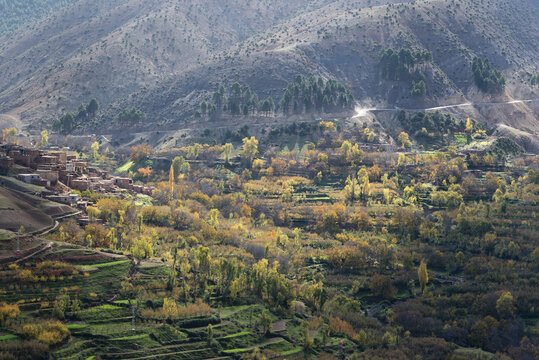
(50, 333)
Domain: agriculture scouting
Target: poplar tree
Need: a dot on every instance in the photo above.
(423, 275)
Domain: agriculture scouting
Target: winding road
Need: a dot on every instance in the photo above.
(363, 111)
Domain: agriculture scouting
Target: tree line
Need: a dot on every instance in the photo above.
(69, 121)
(303, 95)
(487, 78)
(403, 65)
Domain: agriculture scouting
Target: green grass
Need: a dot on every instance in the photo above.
(293, 351)
(76, 326)
(245, 332)
(113, 263)
(236, 351)
(133, 337)
(121, 302)
(125, 167)
(8, 337)
(6, 234)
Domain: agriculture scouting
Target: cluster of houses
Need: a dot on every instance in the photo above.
(61, 171)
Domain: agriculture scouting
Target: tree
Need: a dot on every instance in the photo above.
(61, 304)
(9, 133)
(213, 217)
(404, 140)
(227, 151)
(423, 275)
(140, 152)
(351, 190)
(505, 305)
(308, 342)
(181, 166)
(171, 181)
(209, 332)
(364, 184)
(346, 147)
(486, 78)
(95, 150)
(131, 117)
(92, 107)
(8, 311)
(250, 149)
(381, 287)
(44, 138)
(265, 322)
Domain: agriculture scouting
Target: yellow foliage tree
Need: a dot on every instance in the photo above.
(423, 275)
(44, 138)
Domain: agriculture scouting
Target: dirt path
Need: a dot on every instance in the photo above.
(363, 111)
(47, 246)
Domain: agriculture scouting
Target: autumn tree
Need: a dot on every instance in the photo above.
(44, 138)
(404, 140)
(95, 151)
(227, 151)
(8, 134)
(8, 311)
(351, 190)
(364, 184)
(250, 149)
(423, 275)
(505, 305)
(140, 152)
(171, 178)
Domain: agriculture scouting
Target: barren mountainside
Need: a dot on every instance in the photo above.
(166, 57)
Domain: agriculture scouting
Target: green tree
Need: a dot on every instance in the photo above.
(265, 322)
(61, 304)
(209, 332)
(308, 342)
(92, 107)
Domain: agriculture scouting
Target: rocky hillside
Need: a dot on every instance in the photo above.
(109, 49)
(166, 57)
(343, 42)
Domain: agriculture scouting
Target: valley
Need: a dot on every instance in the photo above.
(267, 179)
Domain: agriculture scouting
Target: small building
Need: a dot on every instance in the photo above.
(79, 184)
(67, 199)
(5, 163)
(50, 175)
(29, 178)
(124, 183)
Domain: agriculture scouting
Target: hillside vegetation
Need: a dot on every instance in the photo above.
(16, 13)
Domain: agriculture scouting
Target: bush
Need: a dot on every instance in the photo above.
(25, 350)
(50, 333)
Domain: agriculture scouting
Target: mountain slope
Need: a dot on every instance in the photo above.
(16, 13)
(166, 57)
(344, 40)
(108, 49)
